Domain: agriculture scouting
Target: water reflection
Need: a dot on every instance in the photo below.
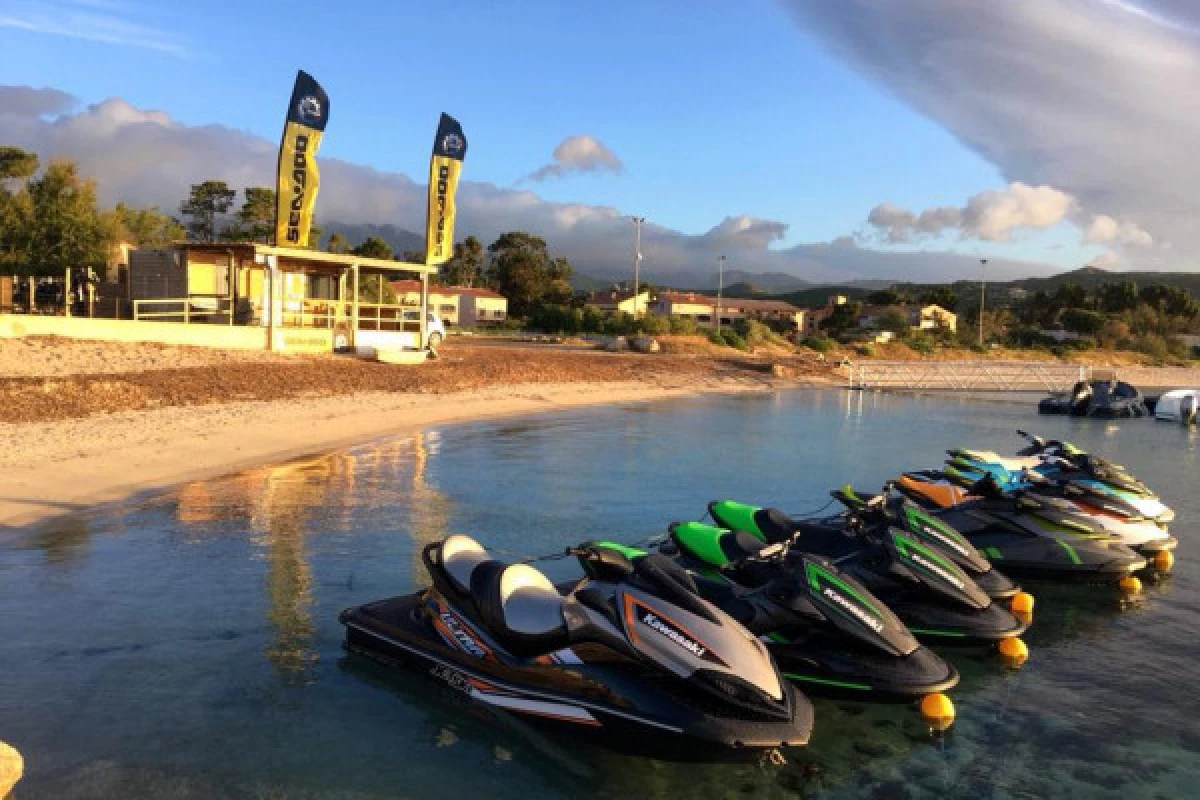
(282, 506)
(64, 539)
(429, 509)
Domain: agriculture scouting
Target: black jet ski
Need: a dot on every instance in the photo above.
(892, 508)
(1102, 399)
(630, 654)
(923, 586)
(1024, 534)
(826, 630)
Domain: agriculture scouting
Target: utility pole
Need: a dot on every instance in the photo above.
(637, 261)
(720, 288)
(982, 293)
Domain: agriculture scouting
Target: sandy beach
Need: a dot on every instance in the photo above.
(83, 423)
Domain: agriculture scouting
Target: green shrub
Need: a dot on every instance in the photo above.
(592, 320)
(822, 344)
(555, 319)
(756, 333)
(1029, 337)
(653, 324)
(620, 324)
(734, 339)
(681, 325)
(921, 341)
(867, 350)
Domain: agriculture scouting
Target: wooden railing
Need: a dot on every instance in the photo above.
(184, 309)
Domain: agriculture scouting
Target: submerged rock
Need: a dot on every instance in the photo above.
(12, 767)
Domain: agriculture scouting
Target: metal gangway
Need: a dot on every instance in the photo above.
(960, 376)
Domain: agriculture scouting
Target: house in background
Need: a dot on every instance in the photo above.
(442, 299)
(702, 308)
(612, 301)
(924, 318)
(458, 306)
(934, 316)
(478, 307)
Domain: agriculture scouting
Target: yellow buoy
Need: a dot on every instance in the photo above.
(12, 766)
(1022, 606)
(1131, 585)
(937, 711)
(1164, 560)
(1013, 651)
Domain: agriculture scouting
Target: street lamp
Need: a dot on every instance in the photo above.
(982, 293)
(720, 287)
(637, 261)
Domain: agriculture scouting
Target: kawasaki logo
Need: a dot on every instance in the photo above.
(937, 536)
(925, 563)
(654, 623)
(299, 184)
(866, 619)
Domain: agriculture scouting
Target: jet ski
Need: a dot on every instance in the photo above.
(1060, 462)
(629, 654)
(892, 508)
(1179, 405)
(1063, 459)
(1101, 399)
(1105, 510)
(826, 630)
(917, 580)
(1022, 533)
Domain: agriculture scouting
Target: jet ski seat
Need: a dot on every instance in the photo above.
(458, 556)
(520, 606)
(516, 602)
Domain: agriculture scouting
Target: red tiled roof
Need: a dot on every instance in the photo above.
(728, 303)
(473, 291)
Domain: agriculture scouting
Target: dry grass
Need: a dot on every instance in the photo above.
(76, 379)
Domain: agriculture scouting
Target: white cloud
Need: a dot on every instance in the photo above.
(744, 232)
(991, 216)
(1093, 99)
(146, 157)
(994, 215)
(578, 154)
(92, 20)
(1103, 229)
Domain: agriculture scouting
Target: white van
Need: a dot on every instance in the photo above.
(435, 329)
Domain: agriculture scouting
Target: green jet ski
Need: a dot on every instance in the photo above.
(824, 629)
(920, 583)
(1024, 534)
(892, 508)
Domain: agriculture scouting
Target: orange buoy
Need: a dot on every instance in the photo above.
(938, 711)
(1022, 606)
(1130, 584)
(1164, 560)
(1013, 651)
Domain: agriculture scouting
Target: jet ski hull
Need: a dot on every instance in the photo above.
(831, 670)
(613, 701)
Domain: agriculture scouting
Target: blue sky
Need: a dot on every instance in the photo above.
(727, 109)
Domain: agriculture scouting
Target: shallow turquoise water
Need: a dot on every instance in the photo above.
(186, 645)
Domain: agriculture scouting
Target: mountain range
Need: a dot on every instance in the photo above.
(801, 292)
